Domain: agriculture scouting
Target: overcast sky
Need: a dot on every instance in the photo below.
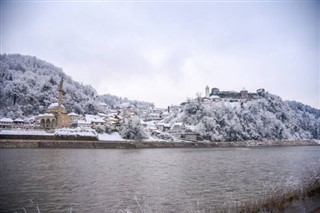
(164, 52)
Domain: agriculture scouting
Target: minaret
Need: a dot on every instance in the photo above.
(59, 116)
(207, 92)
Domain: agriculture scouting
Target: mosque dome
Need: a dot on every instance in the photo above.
(53, 108)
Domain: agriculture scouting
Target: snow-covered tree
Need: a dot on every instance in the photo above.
(29, 85)
(133, 129)
(266, 117)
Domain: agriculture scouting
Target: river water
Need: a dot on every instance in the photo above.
(146, 180)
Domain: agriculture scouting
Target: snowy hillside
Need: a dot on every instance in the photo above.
(29, 85)
(265, 117)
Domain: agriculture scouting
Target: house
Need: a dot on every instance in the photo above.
(164, 114)
(74, 117)
(18, 121)
(6, 123)
(177, 129)
(114, 118)
(163, 126)
(244, 94)
(97, 122)
(103, 106)
(215, 97)
(190, 136)
(83, 124)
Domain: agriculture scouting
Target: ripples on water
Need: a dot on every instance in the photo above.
(152, 180)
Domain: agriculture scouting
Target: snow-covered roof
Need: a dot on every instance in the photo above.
(165, 113)
(6, 120)
(73, 114)
(102, 114)
(214, 96)
(112, 114)
(46, 115)
(98, 121)
(55, 105)
(123, 105)
(90, 118)
(83, 122)
(24, 132)
(114, 119)
(154, 115)
(102, 104)
(163, 124)
(18, 120)
(119, 117)
(178, 124)
(190, 127)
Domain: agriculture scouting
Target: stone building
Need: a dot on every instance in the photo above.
(47, 120)
(207, 92)
(6, 123)
(244, 94)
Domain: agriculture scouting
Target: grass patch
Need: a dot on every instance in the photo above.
(276, 199)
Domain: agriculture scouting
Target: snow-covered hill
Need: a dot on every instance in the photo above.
(265, 117)
(29, 85)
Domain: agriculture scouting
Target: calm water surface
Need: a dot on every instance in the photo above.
(155, 180)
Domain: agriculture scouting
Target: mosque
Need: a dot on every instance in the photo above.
(56, 114)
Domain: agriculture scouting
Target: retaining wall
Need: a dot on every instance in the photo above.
(90, 144)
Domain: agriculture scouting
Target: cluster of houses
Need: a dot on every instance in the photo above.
(151, 119)
(57, 117)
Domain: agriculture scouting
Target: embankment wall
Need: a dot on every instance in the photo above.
(91, 144)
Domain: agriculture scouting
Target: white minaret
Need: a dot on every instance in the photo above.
(207, 92)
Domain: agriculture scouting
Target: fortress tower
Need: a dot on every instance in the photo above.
(207, 92)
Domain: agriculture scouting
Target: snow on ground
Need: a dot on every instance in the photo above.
(317, 141)
(24, 132)
(77, 131)
(110, 137)
(154, 139)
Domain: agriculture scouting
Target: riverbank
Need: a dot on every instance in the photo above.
(93, 144)
(303, 197)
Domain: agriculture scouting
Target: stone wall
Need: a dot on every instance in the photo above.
(23, 143)
(49, 137)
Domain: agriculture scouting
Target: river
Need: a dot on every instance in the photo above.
(146, 180)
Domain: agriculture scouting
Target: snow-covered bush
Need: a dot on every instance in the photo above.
(132, 129)
(100, 129)
(88, 132)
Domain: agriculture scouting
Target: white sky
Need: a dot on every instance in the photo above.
(164, 52)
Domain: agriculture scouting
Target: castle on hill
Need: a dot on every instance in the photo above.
(242, 95)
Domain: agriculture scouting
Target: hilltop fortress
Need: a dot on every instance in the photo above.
(232, 95)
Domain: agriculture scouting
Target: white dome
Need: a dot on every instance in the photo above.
(55, 105)
(53, 108)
